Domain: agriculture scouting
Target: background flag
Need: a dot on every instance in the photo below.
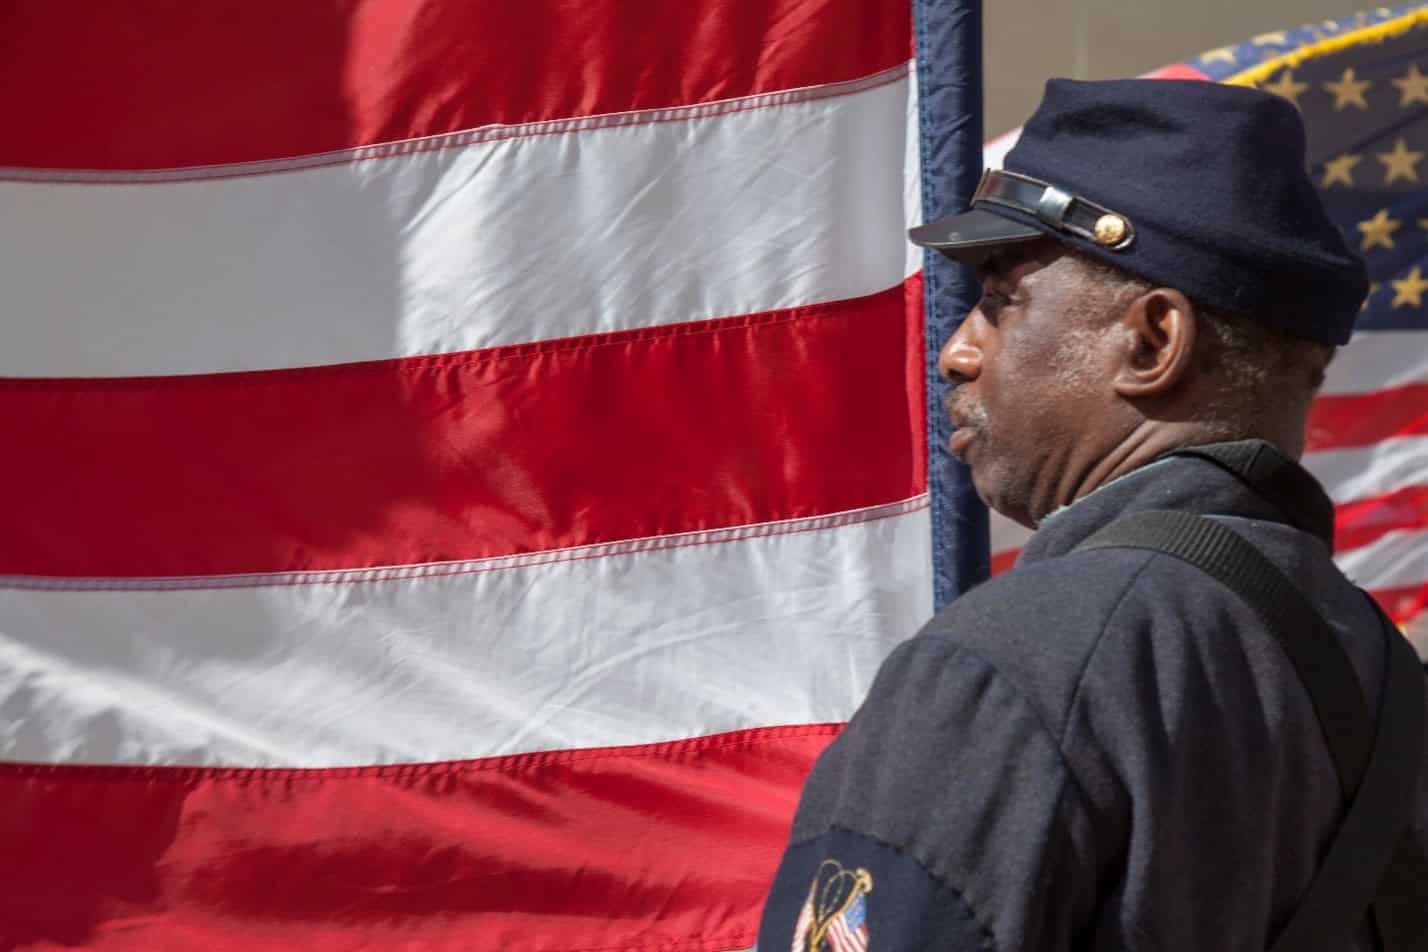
(1361, 84)
(464, 458)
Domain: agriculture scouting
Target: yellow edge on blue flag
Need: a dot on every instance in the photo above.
(1375, 33)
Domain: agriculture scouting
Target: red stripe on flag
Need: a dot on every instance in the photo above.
(1403, 604)
(547, 445)
(1001, 561)
(160, 85)
(1360, 522)
(1362, 419)
(1177, 71)
(668, 846)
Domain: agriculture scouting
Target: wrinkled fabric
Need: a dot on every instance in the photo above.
(1105, 749)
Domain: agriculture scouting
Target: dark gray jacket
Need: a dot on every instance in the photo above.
(1096, 750)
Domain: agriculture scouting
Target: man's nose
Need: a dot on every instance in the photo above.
(960, 359)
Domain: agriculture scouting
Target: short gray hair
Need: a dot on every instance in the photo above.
(1248, 353)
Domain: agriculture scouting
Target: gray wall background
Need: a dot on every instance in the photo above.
(1027, 42)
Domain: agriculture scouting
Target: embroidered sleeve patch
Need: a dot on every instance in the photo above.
(834, 916)
(844, 892)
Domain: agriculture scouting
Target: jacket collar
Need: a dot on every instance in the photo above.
(1250, 479)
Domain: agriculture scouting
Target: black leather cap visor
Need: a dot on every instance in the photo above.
(1009, 207)
(971, 236)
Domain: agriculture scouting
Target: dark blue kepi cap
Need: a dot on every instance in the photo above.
(1192, 185)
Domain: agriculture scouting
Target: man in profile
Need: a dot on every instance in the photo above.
(1150, 733)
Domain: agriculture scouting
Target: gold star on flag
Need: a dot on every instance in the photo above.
(1410, 289)
(1264, 39)
(1224, 53)
(1412, 87)
(1286, 87)
(1340, 170)
(1423, 223)
(1378, 230)
(1349, 90)
(1400, 162)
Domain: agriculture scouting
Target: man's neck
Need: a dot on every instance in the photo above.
(1147, 442)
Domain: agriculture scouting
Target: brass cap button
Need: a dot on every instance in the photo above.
(1110, 230)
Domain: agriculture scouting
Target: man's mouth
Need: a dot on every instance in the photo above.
(967, 419)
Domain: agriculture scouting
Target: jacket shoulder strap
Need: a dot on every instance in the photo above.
(1318, 658)
(1377, 770)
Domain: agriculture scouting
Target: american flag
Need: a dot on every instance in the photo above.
(845, 931)
(463, 460)
(1361, 84)
(848, 932)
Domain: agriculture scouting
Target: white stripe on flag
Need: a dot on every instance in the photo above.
(1395, 560)
(1378, 360)
(659, 218)
(701, 636)
(1365, 472)
(1007, 534)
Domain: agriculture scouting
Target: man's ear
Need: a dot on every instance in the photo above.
(1158, 328)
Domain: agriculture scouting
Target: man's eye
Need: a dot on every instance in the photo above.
(992, 304)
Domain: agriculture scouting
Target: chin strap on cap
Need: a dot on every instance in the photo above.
(1055, 207)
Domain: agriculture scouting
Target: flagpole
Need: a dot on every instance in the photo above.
(948, 42)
